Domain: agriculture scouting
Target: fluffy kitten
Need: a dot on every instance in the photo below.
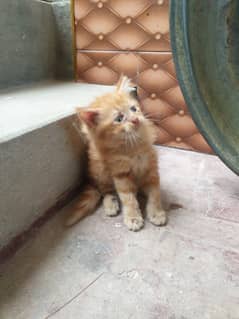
(121, 159)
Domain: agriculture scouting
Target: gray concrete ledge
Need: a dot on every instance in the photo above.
(41, 152)
(26, 108)
(34, 170)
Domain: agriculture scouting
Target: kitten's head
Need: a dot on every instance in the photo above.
(116, 119)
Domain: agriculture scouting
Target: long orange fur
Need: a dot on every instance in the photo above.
(121, 159)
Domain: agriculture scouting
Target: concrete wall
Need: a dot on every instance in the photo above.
(36, 41)
(27, 37)
(64, 46)
(35, 169)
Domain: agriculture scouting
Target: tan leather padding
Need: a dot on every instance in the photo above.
(132, 37)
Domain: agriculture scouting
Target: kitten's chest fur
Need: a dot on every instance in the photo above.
(135, 164)
(139, 165)
(104, 168)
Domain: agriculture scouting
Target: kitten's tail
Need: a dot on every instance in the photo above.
(87, 203)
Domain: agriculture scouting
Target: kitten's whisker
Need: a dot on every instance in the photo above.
(150, 115)
(138, 137)
(132, 141)
(135, 137)
(153, 119)
(128, 139)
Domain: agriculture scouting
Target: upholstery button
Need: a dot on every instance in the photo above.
(160, 2)
(178, 139)
(181, 112)
(100, 37)
(100, 5)
(100, 63)
(128, 20)
(157, 36)
(155, 66)
(153, 96)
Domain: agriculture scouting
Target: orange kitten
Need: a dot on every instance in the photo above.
(121, 159)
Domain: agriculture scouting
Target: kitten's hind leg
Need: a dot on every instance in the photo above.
(154, 210)
(111, 205)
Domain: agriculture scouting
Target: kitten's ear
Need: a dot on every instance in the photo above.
(123, 84)
(88, 116)
(133, 92)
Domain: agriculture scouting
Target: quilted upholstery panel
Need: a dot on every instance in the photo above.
(137, 25)
(132, 37)
(159, 91)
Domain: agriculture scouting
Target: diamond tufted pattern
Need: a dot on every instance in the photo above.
(132, 37)
(138, 25)
(159, 92)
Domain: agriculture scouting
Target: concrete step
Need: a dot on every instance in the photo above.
(41, 152)
(99, 269)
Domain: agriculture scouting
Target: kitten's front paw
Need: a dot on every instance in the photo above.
(111, 205)
(134, 223)
(158, 217)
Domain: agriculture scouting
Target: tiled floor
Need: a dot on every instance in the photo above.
(99, 269)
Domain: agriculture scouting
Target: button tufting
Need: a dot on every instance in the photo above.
(155, 66)
(100, 37)
(153, 96)
(128, 20)
(100, 5)
(157, 36)
(131, 55)
(141, 37)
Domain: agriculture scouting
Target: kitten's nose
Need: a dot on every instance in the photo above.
(135, 121)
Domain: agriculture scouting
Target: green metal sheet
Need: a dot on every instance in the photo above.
(205, 44)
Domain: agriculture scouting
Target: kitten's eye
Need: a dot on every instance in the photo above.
(119, 118)
(133, 109)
